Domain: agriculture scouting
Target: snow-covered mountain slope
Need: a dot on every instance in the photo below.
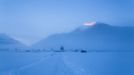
(99, 36)
(7, 42)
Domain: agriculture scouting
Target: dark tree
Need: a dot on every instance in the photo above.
(62, 48)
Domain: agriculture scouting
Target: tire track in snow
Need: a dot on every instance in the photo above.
(78, 70)
(16, 72)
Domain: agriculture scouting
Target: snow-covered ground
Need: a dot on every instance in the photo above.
(96, 63)
(11, 61)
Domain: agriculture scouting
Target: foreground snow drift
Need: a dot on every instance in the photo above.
(11, 61)
(119, 63)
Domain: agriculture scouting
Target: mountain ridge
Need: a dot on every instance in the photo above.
(98, 36)
(7, 42)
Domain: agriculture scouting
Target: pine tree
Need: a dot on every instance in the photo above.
(62, 48)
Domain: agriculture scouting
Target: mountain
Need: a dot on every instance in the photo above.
(93, 36)
(7, 42)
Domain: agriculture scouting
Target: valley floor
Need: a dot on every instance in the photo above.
(67, 63)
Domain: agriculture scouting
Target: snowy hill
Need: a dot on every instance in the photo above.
(99, 36)
(7, 42)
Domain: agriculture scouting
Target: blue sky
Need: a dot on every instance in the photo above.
(31, 20)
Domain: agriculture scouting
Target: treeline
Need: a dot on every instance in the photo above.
(61, 49)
